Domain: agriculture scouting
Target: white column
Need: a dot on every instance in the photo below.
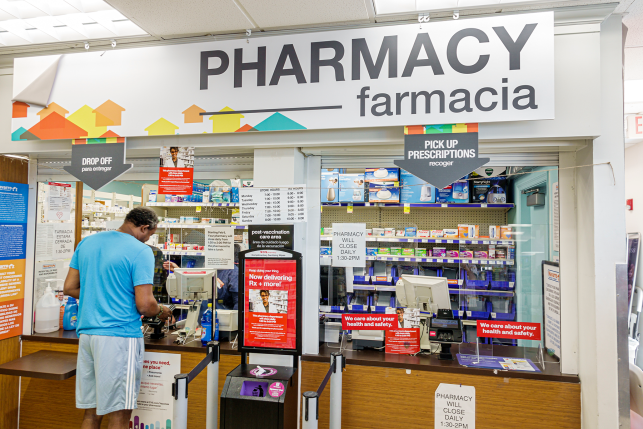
(602, 241)
(30, 256)
(569, 263)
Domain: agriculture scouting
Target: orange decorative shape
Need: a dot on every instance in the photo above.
(191, 115)
(53, 107)
(55, 126)
(102, 120)
(472, 128)
(109, 110)
(19, 109)
(414, 129)
(245, 128)
(109, 133)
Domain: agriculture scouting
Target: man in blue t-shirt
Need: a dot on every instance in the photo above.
(111, 274)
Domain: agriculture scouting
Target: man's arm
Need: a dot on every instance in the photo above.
(146, 303)
(72, 284)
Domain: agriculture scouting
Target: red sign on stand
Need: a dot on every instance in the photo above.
(509, 330)
(270, 303)
(403, 341)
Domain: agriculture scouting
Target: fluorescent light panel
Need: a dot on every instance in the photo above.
(27, 22)
(394, 7)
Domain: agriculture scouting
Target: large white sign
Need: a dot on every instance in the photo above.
(551, 302)
(349, 244)
(155, 402)
(455, 406)
(470, 70)
(273, 205)
(219, 247)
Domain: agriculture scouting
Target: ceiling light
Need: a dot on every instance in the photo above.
(16, 156)
(28, 22)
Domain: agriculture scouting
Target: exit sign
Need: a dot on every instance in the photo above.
(635, 127)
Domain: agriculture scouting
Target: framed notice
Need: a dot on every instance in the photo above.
(270, 290)
(551, 304)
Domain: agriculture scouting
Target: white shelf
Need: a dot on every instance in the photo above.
(198, 225)
(94, 227)
(184, 252)
(327, 259)
(428, 240)
(190, 204)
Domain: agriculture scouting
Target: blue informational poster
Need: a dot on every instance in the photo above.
(13, 236)
(497, 362)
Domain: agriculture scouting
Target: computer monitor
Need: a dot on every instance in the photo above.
(426, 293)
(191, 283)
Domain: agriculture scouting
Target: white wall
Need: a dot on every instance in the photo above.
(634, 190)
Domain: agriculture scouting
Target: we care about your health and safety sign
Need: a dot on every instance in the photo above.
(155, 404)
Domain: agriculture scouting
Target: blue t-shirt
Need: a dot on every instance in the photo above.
(111, 264)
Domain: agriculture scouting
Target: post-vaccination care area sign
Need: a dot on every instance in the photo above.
(465, 71)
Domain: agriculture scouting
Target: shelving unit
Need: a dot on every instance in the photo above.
(198, 225)
(327, 259)
(425, 205)
(428, 240)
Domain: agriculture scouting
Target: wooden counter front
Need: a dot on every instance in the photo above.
(51, 404)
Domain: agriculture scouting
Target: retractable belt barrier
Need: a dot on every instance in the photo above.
(311, 399)
(180, 390)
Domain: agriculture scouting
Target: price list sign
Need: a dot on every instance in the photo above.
(273, 205)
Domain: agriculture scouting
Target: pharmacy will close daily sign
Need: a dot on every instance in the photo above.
(474, 70)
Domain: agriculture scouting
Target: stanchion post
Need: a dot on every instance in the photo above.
(212, 392)
(311, 411)
(180, 392)
(335, 420)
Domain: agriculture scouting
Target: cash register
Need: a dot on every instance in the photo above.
(446, 330)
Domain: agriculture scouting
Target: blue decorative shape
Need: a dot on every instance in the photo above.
(15, 136)
(278, 122)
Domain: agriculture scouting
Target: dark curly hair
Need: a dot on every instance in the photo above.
(141, 216)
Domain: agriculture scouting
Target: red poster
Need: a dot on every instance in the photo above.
(369, 322)
(175, 181)
(403, 341)
(510, 330)
(270, 303)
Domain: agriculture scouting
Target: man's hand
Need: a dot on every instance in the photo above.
(220, 284)
(166, 314)
(169, 265)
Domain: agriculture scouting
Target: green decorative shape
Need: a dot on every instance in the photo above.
(96, 140)
(437, 129)
(278, 122)
(16, 135)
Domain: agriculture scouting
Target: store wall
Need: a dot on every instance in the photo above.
(634, 190)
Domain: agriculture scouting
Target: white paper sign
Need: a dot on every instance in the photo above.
(58, 202)
(489, 69)
(349, 245)
(54, 241)
(551, 302)
(155, 402)
(219, 247)
(556, 217)
(273, 205)
(455, 406)
(113, 225)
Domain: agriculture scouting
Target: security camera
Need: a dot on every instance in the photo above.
(86, 45)
(113, 43)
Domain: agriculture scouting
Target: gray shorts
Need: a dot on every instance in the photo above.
(108, 373)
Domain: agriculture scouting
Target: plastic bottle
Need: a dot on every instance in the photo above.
(206, 326)
(47, 313)
(61, 299)
(70, 320)
(216, 326)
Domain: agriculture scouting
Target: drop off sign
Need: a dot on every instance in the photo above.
(349, 244)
